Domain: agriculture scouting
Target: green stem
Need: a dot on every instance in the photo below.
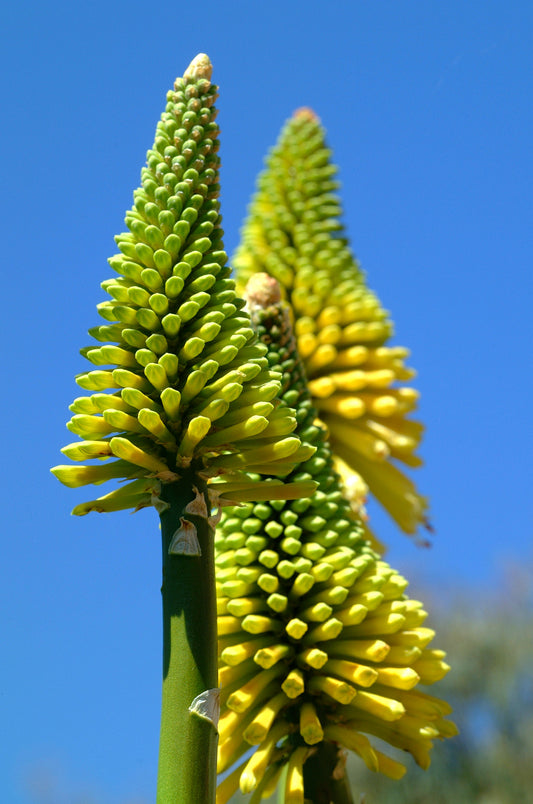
(320, 785)
(188, 742)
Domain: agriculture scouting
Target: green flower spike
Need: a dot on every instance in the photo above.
(294, 233)
(181, 393)
(320, 649)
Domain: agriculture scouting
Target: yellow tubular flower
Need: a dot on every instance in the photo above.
(319, 646)
(357, 380)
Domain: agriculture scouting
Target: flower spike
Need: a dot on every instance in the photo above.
(319, 646)
(179, 377)
(357, 381)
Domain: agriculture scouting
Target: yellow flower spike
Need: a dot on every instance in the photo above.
(345, 638)
(341, 328)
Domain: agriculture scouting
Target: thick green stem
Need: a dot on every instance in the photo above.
(188, 741)
(320, 770)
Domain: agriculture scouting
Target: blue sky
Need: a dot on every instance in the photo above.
(428, 110)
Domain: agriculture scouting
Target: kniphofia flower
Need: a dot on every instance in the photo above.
(357, 379)
(320, 647)
(179, 377)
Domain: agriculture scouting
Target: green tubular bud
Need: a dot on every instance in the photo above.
(151, 279)
(136, 494)
(148, 319)
(89, 427)
(191, 349)
(137, 400)
(194, 383)
(152, 421)
(157, 376)
(234, 416)
(126, 315)
(171, 399)
(83, 404)
(171, 324)
(196, 431)
(123, 448)
(228, 435)
(112, 332)
(82, 450)
(215, 409)
(277, 602)
(269, 454)
(171, 365)
(75, 476)
(145, 356)
(105, 355)
(134, 338)
(173, 287)
(128, 379)
(97, 380)
(103, 402)
(107, 504)
(119, 420)
(157, 343)
(188, 310)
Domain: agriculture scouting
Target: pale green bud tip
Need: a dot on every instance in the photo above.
(305, 113)
(200, 67)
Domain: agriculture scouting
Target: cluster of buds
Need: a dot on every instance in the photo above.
(180, 380)
(294, 232)
(318, 643)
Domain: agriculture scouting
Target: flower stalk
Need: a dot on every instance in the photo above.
(188, 738)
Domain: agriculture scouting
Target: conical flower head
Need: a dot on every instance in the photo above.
(318, 642)
(179, 377)
(294, 232)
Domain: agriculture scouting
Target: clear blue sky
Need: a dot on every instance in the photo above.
(428, 108)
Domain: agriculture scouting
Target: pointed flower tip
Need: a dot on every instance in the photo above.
(262, 290)
(200, 67)
(307, 113)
